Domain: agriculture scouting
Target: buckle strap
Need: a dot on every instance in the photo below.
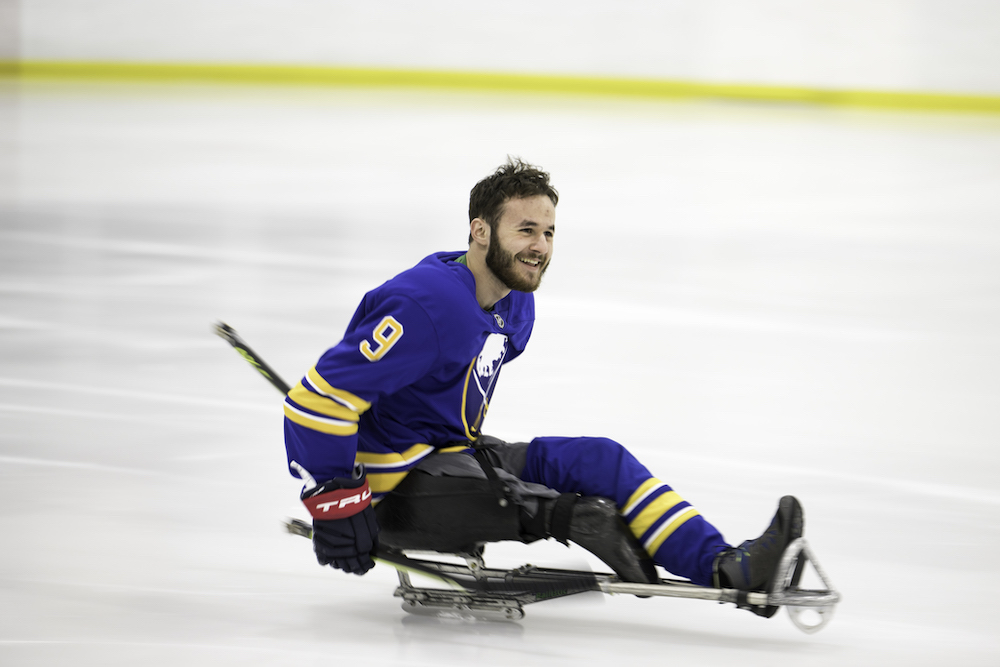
(500, 490)
(562, 514)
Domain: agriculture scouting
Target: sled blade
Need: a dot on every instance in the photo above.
(525, 584)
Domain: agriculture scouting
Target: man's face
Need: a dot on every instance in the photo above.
(521, 244)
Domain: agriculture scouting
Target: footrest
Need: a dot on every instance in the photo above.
(809, 609)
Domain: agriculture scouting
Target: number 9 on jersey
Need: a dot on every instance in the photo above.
(386, 334)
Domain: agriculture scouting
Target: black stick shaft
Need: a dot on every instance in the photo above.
(228, 334)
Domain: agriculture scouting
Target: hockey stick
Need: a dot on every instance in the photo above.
(577, 583)
(538, 584)
(228, 334)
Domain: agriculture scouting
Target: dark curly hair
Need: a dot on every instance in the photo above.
(514, 180)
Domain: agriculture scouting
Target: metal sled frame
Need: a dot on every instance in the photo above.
(476, 591)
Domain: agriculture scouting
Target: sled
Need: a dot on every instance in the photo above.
(473, 590)
(470, 590)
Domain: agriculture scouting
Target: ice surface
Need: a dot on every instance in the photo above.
(756, 299)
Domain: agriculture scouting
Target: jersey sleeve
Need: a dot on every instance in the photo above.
(388, 345)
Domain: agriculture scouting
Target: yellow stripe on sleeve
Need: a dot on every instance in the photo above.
(322, 404)
(349, 400)
(648, 516)
(321, 424)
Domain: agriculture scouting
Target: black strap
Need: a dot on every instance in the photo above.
(500, 490)
(562, 513)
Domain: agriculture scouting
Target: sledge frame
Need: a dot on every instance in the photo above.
(476, 591)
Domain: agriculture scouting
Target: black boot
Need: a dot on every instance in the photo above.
(752, 565)
(594, 523)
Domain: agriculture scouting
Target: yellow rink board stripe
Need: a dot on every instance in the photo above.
(483, 81)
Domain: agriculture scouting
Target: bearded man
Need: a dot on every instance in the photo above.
(390, 420)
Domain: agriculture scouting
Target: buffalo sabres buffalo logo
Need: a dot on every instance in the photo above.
(479, 382)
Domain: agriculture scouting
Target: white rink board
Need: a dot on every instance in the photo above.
(931, 46)
(757, 300)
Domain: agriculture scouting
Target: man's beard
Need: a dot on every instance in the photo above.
(502, 263)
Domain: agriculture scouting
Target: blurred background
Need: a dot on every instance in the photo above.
(777, 272)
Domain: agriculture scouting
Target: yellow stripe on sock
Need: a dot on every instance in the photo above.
(656, 540)
(640, 494)
(648, 516)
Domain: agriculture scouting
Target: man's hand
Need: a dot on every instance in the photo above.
(345, 532)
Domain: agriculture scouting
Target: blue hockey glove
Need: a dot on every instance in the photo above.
(345, 532)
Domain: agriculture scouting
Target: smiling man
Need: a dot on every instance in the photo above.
(512, 253)
(390, 420)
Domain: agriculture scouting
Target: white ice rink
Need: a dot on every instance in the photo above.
(756, 299)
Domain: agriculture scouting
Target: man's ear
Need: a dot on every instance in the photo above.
(480, 230)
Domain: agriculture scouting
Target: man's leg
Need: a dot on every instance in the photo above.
(672, 531)
(448, 503)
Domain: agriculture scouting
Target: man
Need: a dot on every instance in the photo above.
(408, 388)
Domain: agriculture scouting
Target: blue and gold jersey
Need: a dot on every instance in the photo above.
(415, 372)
